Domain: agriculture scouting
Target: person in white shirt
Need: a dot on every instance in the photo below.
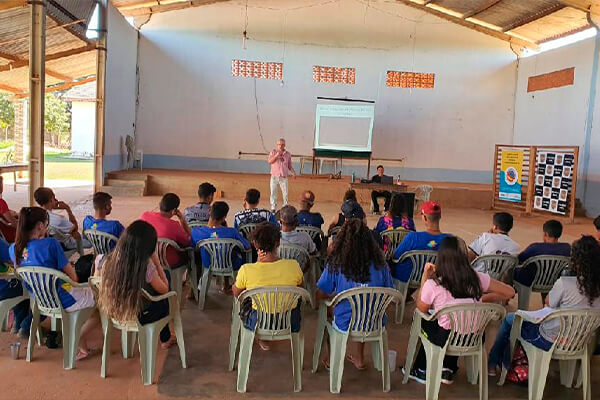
(496, 241)
(288, 218)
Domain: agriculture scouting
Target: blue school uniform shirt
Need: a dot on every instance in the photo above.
(545, 249)
(4, 258)
(335, 282)
(206, 232)
(306, 218)
(47, 253)
(115, 228)
(414, 241)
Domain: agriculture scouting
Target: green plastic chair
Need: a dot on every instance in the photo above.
(221, 262)
(147, 335)
(7, 304)
(43, 282)
(102, 242)
(364, 327)
(468, 323)
(295, 252)
(573, 343)
(274, 305)
(178, 274)
(418, 258)
(393, 238)
(247, 229)
(495, 265)
(548, 270)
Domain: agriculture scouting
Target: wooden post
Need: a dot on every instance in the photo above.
(575, 169)
(494, 193)
(100, 89)
(37, 85)
(531, 180)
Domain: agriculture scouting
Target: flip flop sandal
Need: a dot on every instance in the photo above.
(264, 346)
(325, 364)
(355, 363)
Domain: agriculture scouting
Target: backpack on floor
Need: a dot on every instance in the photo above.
(519, 366)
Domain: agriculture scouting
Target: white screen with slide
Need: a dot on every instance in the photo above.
(344, 126)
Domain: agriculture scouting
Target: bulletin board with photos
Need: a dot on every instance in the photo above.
(553, 180)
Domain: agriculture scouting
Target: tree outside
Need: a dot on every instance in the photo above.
(57, 121)
(7, 116)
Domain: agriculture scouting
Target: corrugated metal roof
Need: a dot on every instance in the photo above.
(85, 92)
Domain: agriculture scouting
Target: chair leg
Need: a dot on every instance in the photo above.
(177, 281)
(128, 343)
(193, 277)
(567, 372)
(321, 322)
(247, 341)
(178, 328)
(338, 342)
(435, 359)
(483, 375)
(539, 363)
(204, 283)
(148, 340)
(471, 363)
(106, 331)
(586, 377)
(402, 287)
(376, 355)
(385, 363)
(524, 295)
(33, 331)
(413, 348)
(234, 336)
(296, 362)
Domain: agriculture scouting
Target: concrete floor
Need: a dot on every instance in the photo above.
(207, 334)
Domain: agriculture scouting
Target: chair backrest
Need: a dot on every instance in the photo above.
(57, 234)
(393, 237)
(548, 270)
(423, 192)
(576, 329)
(468, 323)
(294, 252)
(221, 254)
(162, 245)
(197, 224)
(418, 258)
(247, 229)
(368, 305)
(101, 241)
(274, 305)
(334, 231)
(43, 282)
(495, 265)
(312, 231)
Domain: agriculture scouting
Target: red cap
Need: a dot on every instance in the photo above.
(431, 208)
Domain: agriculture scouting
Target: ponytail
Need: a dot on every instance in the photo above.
(28, 219)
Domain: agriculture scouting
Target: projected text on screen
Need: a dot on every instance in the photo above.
(344, 127)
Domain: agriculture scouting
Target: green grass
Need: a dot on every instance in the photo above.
(58, 165)
(5, 144)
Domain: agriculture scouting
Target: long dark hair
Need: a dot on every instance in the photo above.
(397, 208)
(29, 217)
(453, 271)
(124, 272)
(585, 254)
(353, 251)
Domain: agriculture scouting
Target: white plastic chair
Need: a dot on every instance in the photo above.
(312, 231)
(274, 305)
(7, 304)
(247, 229)
(197, 224)
(418, 258)
(177, 274)
(393, 238)
(102, 242)
(573, 343)
(221, 262)
(43, 283)
(295, 252)
(548, 270)
(422, 194)
(495, 265)
(467, 327)
(147, 335)
(62, 238)
(334, 231)
(368, 305)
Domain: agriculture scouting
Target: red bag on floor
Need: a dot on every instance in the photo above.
(519, 367)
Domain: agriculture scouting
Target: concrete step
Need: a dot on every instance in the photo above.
(125, 191)
(125, 182)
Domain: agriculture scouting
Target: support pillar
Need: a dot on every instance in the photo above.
(37, 86)
(19, 130)
(100, 90)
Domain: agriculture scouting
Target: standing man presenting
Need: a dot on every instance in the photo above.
(281, 166)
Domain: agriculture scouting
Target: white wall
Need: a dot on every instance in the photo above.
(83, 126)
(121, 63)
(193, 114)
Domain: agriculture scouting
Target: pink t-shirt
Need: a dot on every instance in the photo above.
(168, 229)
(283, 165)
(436, 295)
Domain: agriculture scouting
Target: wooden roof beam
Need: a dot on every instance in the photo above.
(472, 25)
(533, 16)
(581, 5)
(10, 89)
(8, 4)
(145, 7)
(485, 6)
(49, 57)
(64, 86)
(49, 71)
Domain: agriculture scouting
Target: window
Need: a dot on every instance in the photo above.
(334, 75)
(257, 69)
(410, 79)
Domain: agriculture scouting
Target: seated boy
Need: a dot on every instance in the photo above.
(200, 211)
(102, 208)
(167, 228)
(8, 217)
(429, 239)
(252, 214)
(495, 241)
(69, 237)
(216, 230)
(549, 246)
(305, 217)
(288, 218)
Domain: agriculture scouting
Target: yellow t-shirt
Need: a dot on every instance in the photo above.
(278, 273)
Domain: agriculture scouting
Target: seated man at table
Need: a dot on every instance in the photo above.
(375, 194)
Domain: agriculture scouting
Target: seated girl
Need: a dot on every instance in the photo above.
(580, 289)
(355, 260)
(449, 282)
(396, 217)
(130, 267)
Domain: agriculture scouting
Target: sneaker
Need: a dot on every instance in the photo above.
(447, 376)
(417, 375)
(52, 340)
